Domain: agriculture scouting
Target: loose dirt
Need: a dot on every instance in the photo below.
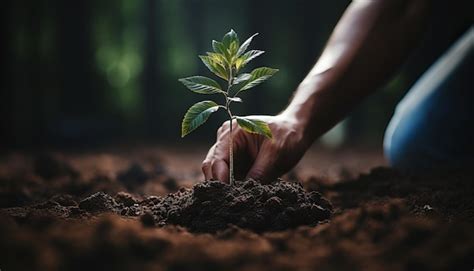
(57, 215)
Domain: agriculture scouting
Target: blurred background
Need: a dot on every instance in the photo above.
(89, 73)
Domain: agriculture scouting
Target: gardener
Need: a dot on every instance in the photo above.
(432, 126)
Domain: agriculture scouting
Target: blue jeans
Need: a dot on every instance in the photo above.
(433, 126)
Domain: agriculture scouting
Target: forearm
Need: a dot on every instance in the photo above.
(369, 43)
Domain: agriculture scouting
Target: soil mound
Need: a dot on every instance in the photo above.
(212, 206)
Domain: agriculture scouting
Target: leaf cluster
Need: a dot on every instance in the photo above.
(227, 61)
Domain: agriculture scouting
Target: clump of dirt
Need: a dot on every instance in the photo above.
(98, 202)
(212, 206)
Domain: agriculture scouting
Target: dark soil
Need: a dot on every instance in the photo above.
(59, 216)
(209, 206)
(212, 206)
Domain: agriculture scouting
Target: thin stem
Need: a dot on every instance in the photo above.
(231, 136)
(231, 146)
(231, 155)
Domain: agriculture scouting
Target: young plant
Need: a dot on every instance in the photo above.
(226, 62)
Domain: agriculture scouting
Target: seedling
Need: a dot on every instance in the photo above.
(226, 62)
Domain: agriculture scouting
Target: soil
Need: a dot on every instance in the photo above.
(102, 211)
(212, 206)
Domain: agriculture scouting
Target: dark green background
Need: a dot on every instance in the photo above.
(85, 73)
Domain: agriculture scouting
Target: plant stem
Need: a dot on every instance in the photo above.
(231, 155)
(231, 146)
(231, 136)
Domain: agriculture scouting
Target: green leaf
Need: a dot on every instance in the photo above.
(231, 43)
(220, 48)
(214, 66)
(247, 57)
(245, 45)
(217, 58)
(241, 78)
(235, 99)
(197, 115)
(233, 48)
(230, 37)
(258, 76)
(201, 85)
(254, 126)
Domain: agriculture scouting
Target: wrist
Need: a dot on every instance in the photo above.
(301, 126)
(312, 108)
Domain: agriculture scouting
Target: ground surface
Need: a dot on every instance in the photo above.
(111, 210)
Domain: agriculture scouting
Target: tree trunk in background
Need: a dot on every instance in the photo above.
(257, 8)
(6, 118)
(81, 99)
(76, 56)
(74, 53)
(35, 73)
(151, 87)
(23, 37)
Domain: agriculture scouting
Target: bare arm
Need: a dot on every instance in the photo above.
(368, 44)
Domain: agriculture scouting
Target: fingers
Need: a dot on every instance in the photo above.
(207, 163)
(263, 168)
(216, 164)
(220, 170)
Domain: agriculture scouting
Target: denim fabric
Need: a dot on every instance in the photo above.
(433, 126)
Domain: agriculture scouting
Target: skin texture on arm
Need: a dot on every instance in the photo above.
(369, 43)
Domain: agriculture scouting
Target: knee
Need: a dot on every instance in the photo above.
(400, 145)
(393, 150)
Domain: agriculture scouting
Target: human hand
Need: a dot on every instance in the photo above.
(256, 156)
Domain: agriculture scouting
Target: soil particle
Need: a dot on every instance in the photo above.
(126, 199)
(64, 200)
(147, 219)
(98, 202)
